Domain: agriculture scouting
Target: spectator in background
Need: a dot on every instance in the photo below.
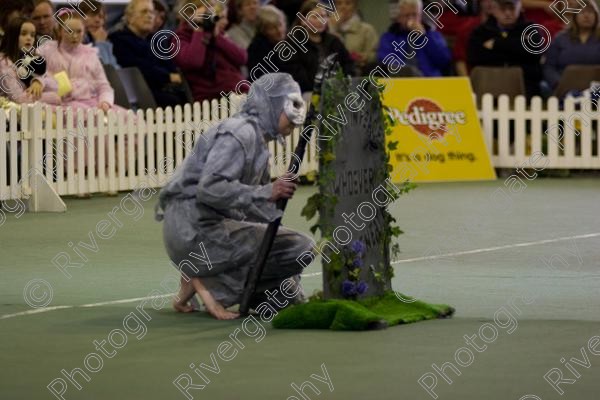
(43, 18)
(244, 27)
(303, 66)
(132, 48)
(498, 43)
(359, 37)
(434, 58)
(96, 34)
(289, 7)
(161, 11)
(464, 30)
(539, 12)
(579, 43)
(86, 79)
(209, 60)
(270, 30)
(24, 77)
(11, 9)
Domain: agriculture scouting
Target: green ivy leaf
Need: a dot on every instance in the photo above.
(396, 231)
(312, 206)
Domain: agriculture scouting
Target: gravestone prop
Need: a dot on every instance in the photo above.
(356, 230)
(354, 192)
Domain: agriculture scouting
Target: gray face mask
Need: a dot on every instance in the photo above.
(271, 95)
(294, 108)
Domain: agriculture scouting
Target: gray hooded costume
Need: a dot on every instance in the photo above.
(216, 204)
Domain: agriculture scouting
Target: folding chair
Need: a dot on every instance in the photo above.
(577, 77)
(138, 91)
(497, 81)
(121, 98)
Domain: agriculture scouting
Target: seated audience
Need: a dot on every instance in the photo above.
(243, 29)
(209, 60)
(270, 30)
(11, 9)
(360, 38)
(86, 82)
(464, 31)
(303, 66)
(132, 48)
(433, 59)
(578, 44)
(24, 78)
(539, 12)
(96, 34)
(498, 43)
(43, 18)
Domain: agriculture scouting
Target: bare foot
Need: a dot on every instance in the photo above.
(182, 307)
(186, 293)
(217, 311)
(212, 306)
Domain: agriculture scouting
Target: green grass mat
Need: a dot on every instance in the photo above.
(350, 315)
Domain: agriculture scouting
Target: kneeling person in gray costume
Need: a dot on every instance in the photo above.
(216, 206)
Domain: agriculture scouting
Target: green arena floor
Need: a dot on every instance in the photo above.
(523, 269)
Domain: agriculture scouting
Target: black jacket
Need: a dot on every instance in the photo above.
(303, 66)
(508, 50)
(133, 51)
(258, 51)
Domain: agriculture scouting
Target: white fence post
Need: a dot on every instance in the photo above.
(39, 193)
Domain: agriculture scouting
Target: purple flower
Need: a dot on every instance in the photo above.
(362, 287)
(358, 247)
(348, 288)
(358, 262)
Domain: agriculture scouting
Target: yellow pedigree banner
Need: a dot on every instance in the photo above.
(437, 129)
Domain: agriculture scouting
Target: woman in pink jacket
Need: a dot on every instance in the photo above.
(209, 60)
(22, 75)
(89, 85)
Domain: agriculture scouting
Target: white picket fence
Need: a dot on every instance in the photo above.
(45, 151)
(568, 137)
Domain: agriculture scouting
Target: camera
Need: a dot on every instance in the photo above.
(208, 24)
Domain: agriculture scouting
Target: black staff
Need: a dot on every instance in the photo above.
(254, 275)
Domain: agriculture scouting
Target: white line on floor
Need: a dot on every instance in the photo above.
(34, 311)
(407, 260)
(486, 249)
(104, 303)
(508, 246)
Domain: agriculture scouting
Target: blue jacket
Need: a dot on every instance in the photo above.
(565, 51)
(432, 60)
(105, 50)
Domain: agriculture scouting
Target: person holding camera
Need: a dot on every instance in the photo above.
(209, 60)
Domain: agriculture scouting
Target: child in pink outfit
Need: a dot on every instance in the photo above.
(90, 87)
(22, 71)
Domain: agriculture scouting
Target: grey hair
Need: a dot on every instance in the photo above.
(131, 7)
(269, 15)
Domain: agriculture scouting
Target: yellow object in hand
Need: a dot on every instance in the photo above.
(64, 83)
